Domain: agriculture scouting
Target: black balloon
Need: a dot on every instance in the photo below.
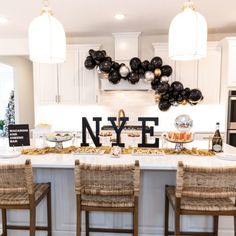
(166, 96)
(114, 77)
(166, 70)
(135, 63)
(141, 72)
(195, 95)
(155, 83)
(177, 86)
(163, 87)
(156, 62)
(145, 64)
(105, 66)
(91, 52)
(164, 105)
(99, 56)
(104, 52)
(133, 78)
(115, 65)
(180, 98)
(108, 59)
(151, 67)
(89, 63)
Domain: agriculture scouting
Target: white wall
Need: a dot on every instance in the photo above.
(23, 86)
(6, 86)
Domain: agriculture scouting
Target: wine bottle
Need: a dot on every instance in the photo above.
(217, 144)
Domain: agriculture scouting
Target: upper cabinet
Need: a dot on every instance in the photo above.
(204, 74)
(229, 61)
(68, 82)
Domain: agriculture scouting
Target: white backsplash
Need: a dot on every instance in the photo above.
(136, 104)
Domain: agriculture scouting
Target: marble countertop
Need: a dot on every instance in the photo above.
(162, 162)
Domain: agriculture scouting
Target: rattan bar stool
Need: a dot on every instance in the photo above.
(107, 188)
(18, 191)
(201, 191)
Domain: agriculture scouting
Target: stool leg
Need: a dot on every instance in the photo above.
(87, 222)
(166, 213)
(4, 222)
(49, 212)
(177, 217)
(78, 223)
(216, 223)
(32, 221)
(135, 216)
(234, 225)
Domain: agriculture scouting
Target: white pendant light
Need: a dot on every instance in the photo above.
(188, 35)
(47, 40)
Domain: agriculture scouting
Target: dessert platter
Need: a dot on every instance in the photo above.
(59, 138)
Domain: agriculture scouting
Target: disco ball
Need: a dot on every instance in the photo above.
(183, 123)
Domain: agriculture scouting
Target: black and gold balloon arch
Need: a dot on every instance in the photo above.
(166, 94)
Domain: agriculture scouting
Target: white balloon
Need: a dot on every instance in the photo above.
(149, 76)
(124, 71)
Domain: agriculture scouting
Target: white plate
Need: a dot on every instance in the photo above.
(5, 155)
(226, 157)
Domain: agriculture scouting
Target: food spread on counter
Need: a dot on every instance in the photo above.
(180, 136)
(107, 150)
(133, 134)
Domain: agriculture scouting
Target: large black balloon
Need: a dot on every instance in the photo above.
(177, 86)
(164, 105)
(135, 63)
(105, 66)
(141, 72)
(104, 52)
(163, 87)
(99, 56)
(151, 67)
(115, 65)
(133, 78)
(89, 63)
(114, 77)
(166, 70)
(155, 83)
(195, 95)
(145, 64)
(156, 62)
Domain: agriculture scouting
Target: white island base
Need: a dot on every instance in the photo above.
(156, 172)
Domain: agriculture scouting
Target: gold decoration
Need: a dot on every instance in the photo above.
(157, 72)
(184, 102)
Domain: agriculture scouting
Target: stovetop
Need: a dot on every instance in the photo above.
(127, 127)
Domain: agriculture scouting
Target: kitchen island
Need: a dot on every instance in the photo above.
(156, 172)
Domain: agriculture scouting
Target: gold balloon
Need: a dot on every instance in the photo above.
(157, 97)
(184, 102)
(157, 72)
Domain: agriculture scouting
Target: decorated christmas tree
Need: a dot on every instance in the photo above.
(10, 114)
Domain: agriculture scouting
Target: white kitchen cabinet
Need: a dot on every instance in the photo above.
(45, 83)
(229, 61)
(69, 82)
(204, 74)
(88, 79)
(209, 74)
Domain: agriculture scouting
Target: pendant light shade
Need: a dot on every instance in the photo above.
(47, 40)
(188, 35)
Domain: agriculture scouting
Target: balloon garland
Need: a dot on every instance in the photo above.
(166, 94)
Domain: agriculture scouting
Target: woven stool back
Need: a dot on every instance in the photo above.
(205, 182)
(116, 180)
(16, 178)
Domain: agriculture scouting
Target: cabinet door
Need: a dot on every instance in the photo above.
(68, 78)
(88, 79)
(45, 83)
(186, 73)
(209, 75)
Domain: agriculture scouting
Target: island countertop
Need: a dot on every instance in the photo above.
(147, 162)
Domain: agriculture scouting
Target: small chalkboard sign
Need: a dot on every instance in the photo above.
(18, 135)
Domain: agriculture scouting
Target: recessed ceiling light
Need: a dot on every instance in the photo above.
(3, 20)
(119, 16)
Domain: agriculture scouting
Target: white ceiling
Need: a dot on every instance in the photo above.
(96, 17)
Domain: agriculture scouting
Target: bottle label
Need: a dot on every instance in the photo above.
(217, 148)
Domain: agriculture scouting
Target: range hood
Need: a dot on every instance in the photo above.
(126, 47)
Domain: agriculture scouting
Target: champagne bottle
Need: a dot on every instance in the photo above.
(217, 143)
